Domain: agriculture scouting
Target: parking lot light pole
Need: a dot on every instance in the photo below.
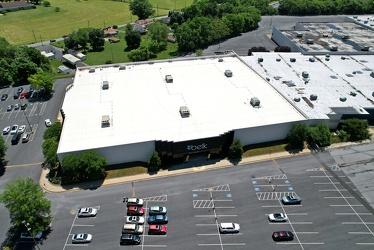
(27, 225)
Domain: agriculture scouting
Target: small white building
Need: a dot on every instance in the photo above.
(63, 69)
(70, 59)
(49, 55)
(77, 54)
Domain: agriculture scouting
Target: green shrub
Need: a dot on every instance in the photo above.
(46, 3)
(57, 9)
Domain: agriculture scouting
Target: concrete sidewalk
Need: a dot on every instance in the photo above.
(203, 165)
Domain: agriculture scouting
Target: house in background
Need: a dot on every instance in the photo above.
(109, 32)
(63, 69)
(141, 28)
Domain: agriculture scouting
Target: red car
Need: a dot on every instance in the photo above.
(157, 229)
(22, 95)
(134, 210)
(282, 236)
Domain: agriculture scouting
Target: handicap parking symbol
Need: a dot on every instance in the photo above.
(257, 189)
(286, 181)
(254, 182)
(290, 188)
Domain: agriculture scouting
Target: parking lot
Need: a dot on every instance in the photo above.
(32, 116)
(329, 217)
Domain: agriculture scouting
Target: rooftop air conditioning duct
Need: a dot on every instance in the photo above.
(169, 79)
(184, 111)
(313, 97)
(255, 102)
(228, 73)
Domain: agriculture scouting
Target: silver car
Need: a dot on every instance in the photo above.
(82, 238)
(230, 227)
(135, 220)
(277, 217)
(87, 212)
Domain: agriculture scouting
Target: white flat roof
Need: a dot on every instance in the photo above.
(143, 107)
(329, 79)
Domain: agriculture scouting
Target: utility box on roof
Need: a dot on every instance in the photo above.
(105, 85)
(313, 97)
(169, 79)
(228, 73)
(305, 74)
(184, 111)
(105, 121)
(255, 102)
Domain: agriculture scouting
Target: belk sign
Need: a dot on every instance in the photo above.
(197, 147)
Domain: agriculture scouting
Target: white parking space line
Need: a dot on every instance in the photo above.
(359, 233)
(342, 197)
(218, 215)
(232, 244)
(357, 223)
(203, 225)
(306, 232)
(346, 205)
(226, 207)
(301, 243)
(84, 225)
(71, 228)
(353, 214)
(267, 185)
(326, 176)
(77, 245)
(329, 183)
(157, 236)
(219, 234)
(335, 190)
(299, 223)
(368, 244)
(297, 214)
(154, 246)
(44, 105)
(206, 234)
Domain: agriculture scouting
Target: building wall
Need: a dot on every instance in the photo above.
(123, 153)
(279, 38)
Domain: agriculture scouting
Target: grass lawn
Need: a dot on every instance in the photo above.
(43, 23)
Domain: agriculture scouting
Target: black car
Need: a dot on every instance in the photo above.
(24, 106)
(4, 97)
(31, 89)
(130, 239)
(19, 90)
(16, 95)
(28, 95)
(158, 219)
(282, 236)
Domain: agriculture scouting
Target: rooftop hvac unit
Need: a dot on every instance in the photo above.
(184, 111)
(278, 59)
(220, 60)
(372, 74)
(297, 99)
(292, 59)
(260, 59)
(353, 93)
(305, 74)
(313, 97)
(122, 67)
(310, 41)
(325, 35)
(255, 102)
(169, 79)
(343, 99)
(345, 37)
(299, 35)
(105, 121)
(228, 73)
(105, 85)
(312, 59)
(333, 48)
(92, 70)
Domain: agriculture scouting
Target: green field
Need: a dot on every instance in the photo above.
(43, 23)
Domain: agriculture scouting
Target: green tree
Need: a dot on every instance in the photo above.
(25, 200)
(320, 135)
(53, 131)
(158, 32)
(49, 148)
(82, 38)
(132, 37)
(141, 8)
(3, 149)
(236, 150)
(70, 167)
(96, 39)
(42, 80)
(154, 162)
(46, 3)
(6, 72)
(357, 129)
(140, 54)
(297, 135)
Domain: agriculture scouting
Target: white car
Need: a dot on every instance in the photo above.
(155, 210)
(82, 238)
(16, 106)
(21, 129)
(135, 202)
(14, 129)
(230, 227)
(6, 130)
(277, 217)
(87, 212)
(48, 122)
(134, 220)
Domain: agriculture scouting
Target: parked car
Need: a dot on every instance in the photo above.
(16, 106)
(81, 238)
(132, 229)
(291, 200)
(158, 219)
(157, 229)
(22, 95)
(19, 90)
(282, 236)
(4, 97)
(129, 239)
(6, 130)
(135, 202)
(28, 236)
(15, 138)
(26, 137)
(277, 217)
(154, 210)
(24, 106)
(14, 129)
(135, 219)
(87, 212)
(9, 108)
(230, 227)
(134, 210)
(16, 95)
(21, 129)
(48, 122)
